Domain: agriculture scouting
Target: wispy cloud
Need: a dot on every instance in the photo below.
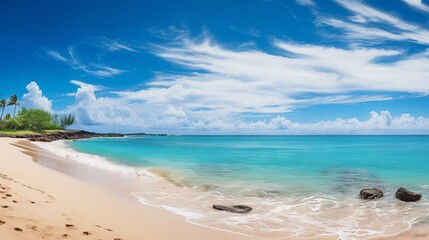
(92, 69)
(169, 33)
(114, 45)
(394, 28)
(254, 32)
(310, 3)
(225, 84)
(417, 4)
(86, 85)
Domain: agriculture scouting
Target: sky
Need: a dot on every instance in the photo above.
(221, 67)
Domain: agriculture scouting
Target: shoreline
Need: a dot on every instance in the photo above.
(89, 208)
(421, 232)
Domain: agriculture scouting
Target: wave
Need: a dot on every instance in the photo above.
(61, 149)
(299, 218)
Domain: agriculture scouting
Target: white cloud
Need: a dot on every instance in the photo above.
(257, 80)
(378, 123)
(122, 112)
(418, 4)
(86, 85)
(397, 30)
(92, 69)
(112, 111)
(34, 98)
(226, 84)
(310, 3)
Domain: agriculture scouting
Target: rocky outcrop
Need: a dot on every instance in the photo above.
(233, 208)
(61, 135)
(370, 193)
(407, 196)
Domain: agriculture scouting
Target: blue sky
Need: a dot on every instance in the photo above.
(187, 67)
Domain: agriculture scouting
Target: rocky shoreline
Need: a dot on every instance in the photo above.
(70, 135)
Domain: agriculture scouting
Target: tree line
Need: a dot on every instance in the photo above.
(31, 119)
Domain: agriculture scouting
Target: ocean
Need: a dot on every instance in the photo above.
(299, 186)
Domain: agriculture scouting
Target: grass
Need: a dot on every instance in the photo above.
(22, 132)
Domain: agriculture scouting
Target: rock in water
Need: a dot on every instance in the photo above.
(370, 193)
(407, 196)
(233, 208)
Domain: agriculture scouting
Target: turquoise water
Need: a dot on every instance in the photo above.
(308, 183)
(304, 163)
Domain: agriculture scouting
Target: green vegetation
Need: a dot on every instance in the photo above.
(3, 106)
(13, 101)
(64, 121)
(31, 120)
(22, 132)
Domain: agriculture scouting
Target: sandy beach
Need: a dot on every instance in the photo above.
(39, 202)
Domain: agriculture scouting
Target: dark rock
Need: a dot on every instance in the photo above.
(233, 208)
(370, 193)
(407, 196)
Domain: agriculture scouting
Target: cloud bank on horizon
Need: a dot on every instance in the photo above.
(370, 55)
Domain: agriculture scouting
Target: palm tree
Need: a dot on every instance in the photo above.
(13, 101)
(2, 105)
(67, 120)
(6, 119)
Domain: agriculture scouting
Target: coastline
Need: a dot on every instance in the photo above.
(93, 211)
(55, 135)
(113, 191)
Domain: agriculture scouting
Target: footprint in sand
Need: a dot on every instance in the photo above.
(18, 229)
(2, 222)
(32, 227)
(69, 225)
(86, 233)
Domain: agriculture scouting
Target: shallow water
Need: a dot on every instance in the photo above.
(299, 186)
